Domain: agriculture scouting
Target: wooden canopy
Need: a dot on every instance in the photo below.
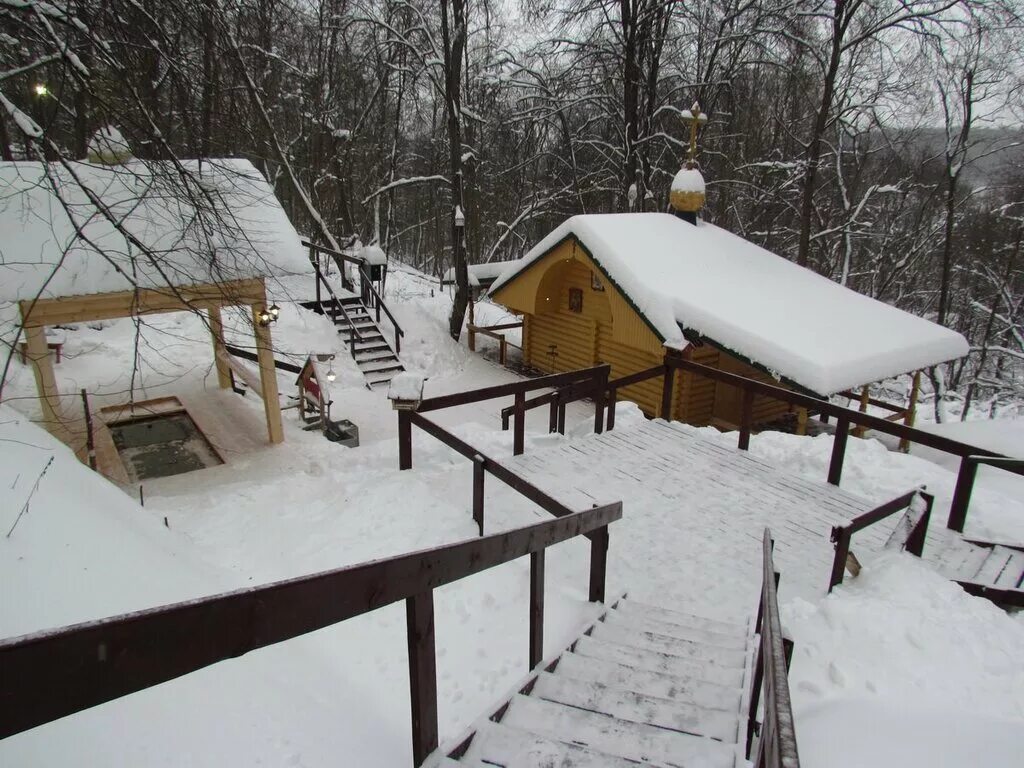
(209, 297)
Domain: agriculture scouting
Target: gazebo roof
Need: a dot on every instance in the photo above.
(190, 224)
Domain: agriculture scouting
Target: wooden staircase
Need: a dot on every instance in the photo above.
(641, 686)
(993, 565)
(373, 354)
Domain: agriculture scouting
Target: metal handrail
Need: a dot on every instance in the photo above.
(776, 746)
(355, 334)
(368, 284)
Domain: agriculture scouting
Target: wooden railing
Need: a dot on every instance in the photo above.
(55, 673)
(965, 483)
(372, 298)
(494, 332)
(845, 419)
(776, 745)
(339, 308)
(909, 534)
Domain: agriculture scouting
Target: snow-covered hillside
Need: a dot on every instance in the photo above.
(898, 645)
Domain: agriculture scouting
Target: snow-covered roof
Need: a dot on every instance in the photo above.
(372, 254)
(479, 273)
(219, 221)
(790, 320)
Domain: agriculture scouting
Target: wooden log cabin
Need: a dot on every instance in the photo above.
(627, 289)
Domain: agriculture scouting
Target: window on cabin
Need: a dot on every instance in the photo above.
(575, 300)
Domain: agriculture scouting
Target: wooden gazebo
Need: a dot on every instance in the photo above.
(93, 242)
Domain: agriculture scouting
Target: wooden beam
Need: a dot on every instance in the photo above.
(268, 377)
(217, 331)
(144, 301)
(46, 383)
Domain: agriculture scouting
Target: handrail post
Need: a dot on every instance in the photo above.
(746, 419)
(612, 398)
(553, 413)
(598, 564)
(536, 607)
(666, 392)
(519, 424)
(962, 494)
(419, 617)
(755, 687)
(835, 466)
(915, 542)
(841, 536)
(601, 386)
(478, 492)
(404, 440)
(561, 418)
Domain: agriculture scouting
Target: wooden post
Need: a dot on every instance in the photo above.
(404, 440)
(46, 383)
(561, 418)
(666, 392)
(841, 537)
(419, 617)
(865, 393)
(478, 492)
(835, 466)
(598, 564)
(502, 349)
(911, 413)
(553, 415)
(612, 398)
(601, 384)
(536, 607)
(962, 494)
(217, 331)
(746, 419)
(519, 424)
(916, 540)
(801, 421)
(268, 378)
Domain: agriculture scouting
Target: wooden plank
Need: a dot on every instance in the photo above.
(419, 617)
(144, 301)
(268, 378)
(99, 661)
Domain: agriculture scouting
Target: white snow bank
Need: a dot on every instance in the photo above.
(406, 386)
(904, 640)
(789, 319)
(372, 254)
(1005, 436)
(223, 223)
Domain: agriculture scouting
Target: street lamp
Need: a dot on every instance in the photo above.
(41, 89)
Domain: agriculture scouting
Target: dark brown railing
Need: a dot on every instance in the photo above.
(337, 308)
(776, 745)
(845, 418)
(369, 295)
(909, 534)
(55, 673)
(494, 332)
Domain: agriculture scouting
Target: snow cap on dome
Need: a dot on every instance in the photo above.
(687, 191)
(372, 254)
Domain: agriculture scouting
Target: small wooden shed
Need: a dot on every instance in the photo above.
(66, 261)
(627, 289)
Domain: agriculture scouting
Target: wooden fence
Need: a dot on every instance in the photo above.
(55, 673)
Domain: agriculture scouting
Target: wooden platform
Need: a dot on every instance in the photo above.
(726, 496)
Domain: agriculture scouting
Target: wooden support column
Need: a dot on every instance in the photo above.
(666, 392)
(835, 466)
(911, 413)
(801, 421)
(419, 616)
(598, 564)
(519, 424)
(478, 492)
(46, 383)
(865, 395)
(536, 607)
(217, 331)
(404, 440)
(745, 421)
(268, 377)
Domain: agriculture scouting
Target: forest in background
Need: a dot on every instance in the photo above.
(874, 141)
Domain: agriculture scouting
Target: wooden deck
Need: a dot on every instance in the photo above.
(726, 497)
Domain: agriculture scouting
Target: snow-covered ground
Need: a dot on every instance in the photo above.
(898, 646)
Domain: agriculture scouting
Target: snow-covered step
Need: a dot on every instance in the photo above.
(687, 649)
(627, 619)
(636, 707)
(632, 607)
(1013, 573)
(613, 736)
(378, 367)
(655, 684)
(663, 663)
(998, 561)
(374, 379)
(496, 744)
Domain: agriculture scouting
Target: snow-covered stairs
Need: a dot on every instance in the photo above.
(641, 686)
(995, 566)
(373, 354)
